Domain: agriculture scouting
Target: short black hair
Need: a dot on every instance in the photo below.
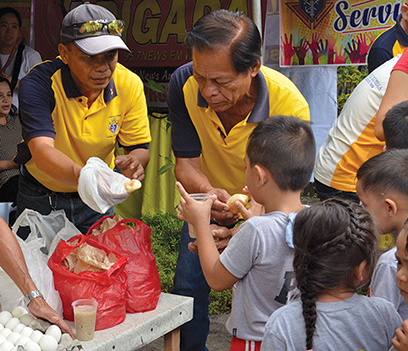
(222, 28)
(6, 10)
(385, 172)
(286, 147)
(395, 126)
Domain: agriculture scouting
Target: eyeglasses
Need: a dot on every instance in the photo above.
(96, 27)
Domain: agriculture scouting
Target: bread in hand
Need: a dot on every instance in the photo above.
(132, 186)
(242, 198)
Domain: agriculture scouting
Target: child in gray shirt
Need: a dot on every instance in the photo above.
(279, 161)
(335, 253)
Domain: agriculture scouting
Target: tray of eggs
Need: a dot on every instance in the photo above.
(17, 332)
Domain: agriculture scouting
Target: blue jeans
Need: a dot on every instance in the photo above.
(33, 195)
(189, 281)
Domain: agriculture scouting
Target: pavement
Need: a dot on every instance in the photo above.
(218, 339)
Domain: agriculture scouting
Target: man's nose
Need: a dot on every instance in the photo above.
(209, 89)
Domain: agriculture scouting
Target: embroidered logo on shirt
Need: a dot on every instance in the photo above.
(113, 126)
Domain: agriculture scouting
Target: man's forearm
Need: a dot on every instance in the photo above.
(189, 174)
(12, 260)
(53, 162)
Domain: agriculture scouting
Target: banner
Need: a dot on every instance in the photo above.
(154, 32)
(329, 32)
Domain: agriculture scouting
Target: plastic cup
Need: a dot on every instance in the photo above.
(198, 197)
(85, 318)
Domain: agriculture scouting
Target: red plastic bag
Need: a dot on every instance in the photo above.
(108, 288)
(143, 281)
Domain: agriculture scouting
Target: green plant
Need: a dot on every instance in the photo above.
(169, 165)
(166, 229)
(348, 77)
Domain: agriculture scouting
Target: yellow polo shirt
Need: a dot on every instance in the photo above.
(51, 105)
(197, 130)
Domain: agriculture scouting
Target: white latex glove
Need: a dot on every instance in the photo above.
(100, 187)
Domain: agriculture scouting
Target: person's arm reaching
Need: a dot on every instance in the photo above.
(53, 162)
(197, 213)
(397, 91)
(188, 172)
(13, 263)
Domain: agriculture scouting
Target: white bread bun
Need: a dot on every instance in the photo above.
(242, 198)
(132, 186)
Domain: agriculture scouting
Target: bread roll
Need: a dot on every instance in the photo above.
(242, 198)
(132, 186)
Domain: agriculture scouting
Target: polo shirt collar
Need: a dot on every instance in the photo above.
(261, 108)
(402, 37)
(72, 91)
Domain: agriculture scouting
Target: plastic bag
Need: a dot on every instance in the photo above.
(43, 230)
(108, 288)
(131, 237)
(100, 187)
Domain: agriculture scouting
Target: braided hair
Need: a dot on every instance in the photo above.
(330, 239)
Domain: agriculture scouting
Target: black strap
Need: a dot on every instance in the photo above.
(17, 65)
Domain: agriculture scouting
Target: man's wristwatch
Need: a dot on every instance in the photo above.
(32, 295)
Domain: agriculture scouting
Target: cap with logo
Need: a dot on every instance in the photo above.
(93, 29)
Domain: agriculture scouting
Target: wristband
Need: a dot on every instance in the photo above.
(31, 296)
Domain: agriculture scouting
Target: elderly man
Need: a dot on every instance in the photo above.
(215, 101)
(78, 106)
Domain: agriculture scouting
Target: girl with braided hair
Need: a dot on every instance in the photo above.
(335, 254)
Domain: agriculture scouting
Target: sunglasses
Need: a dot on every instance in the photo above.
(96, 27)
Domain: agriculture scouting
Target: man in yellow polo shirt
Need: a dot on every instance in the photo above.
(76, 107)
(215, 101)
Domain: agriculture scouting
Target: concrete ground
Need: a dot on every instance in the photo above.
(218, 339)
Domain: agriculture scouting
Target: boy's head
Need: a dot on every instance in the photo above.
(285, 147)
(395, 126)
(382, 186)
(402, 259)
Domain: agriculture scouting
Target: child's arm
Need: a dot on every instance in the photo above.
(198, 214)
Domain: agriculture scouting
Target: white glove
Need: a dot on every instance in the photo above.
(100, 187)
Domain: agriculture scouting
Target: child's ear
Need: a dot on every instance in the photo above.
(360, 274)
(392, 208)
(261, 174)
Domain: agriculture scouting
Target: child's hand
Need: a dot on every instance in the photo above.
(194, 212)
(400, 340)
(255, 209)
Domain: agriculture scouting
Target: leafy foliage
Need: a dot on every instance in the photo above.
(348, 77)
(166, 229)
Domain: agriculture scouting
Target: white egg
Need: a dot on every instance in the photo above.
(5, 316)
(48, 343)
(54, 331)
(18, 311)
(36, 336)
(27, 331)
(13, 337)
(2, 338)
(5, 332)
(6, 346)
(19, 327)
(1, 326)
(12, 323)
(22, 341)
(26, 319)
(32, 346)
